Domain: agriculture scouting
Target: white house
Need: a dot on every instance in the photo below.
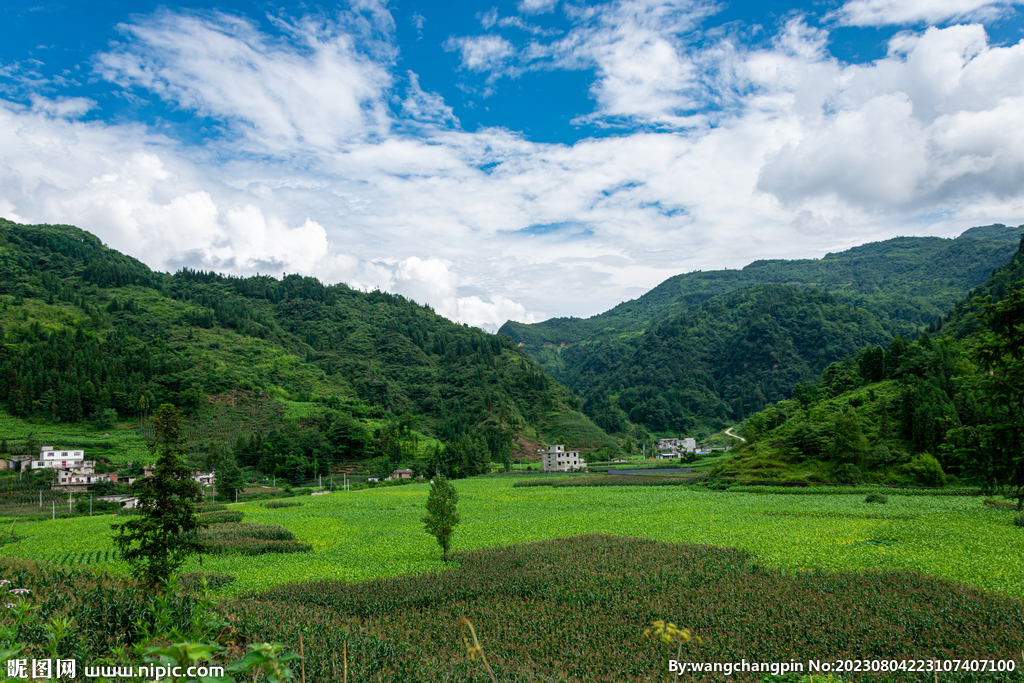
(77, 480)
(688, 445)
(61, 460)
(557, 459)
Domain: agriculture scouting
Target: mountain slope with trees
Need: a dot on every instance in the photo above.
(948, 406)
(88, 331)
(702, 349)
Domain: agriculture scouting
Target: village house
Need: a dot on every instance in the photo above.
(557, 459)
(401, 474)
(687, 445)
(61, 460)
(72, 480)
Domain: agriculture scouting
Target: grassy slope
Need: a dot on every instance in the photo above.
(375, 533)
(292, 341)
(878, 405)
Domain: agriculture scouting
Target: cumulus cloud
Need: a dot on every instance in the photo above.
(731, 154)
(904, 12)
(932, 122)
(432, 283)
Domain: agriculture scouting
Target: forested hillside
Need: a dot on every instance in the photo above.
(702, 349)
(88, 332)
(948, 405)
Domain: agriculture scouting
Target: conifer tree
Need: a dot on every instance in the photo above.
(160, 538)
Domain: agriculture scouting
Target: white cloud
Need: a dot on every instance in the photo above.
(426, 106)
(431, 282)
(804, 155)
(481, 53)
(904, 12)
(318, 88)
(537, 6)
(931, 124)
(640, 49)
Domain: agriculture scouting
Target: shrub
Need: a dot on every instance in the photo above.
(273, 504)
(876, 498)
(926, 470)
(1019, 520)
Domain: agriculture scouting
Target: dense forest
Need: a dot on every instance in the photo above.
(90, 334)
(945, 407)
(704, 349)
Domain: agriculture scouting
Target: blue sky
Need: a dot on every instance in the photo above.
(514, 159)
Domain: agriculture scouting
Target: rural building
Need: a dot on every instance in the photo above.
(401, 474)
(59, 460)
(557, 459)
(204, 478)
(127, 502)
(687, 445)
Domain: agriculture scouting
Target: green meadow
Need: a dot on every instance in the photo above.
(375, 533)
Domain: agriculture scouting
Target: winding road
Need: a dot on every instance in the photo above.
(729, 432)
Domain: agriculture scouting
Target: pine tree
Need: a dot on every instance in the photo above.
(161, 537)
(442, 515)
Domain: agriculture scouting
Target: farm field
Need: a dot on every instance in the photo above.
(376, 533)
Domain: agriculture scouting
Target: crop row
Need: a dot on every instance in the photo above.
(576, 608)
(609, 480)
(108, 612)
(362, 535)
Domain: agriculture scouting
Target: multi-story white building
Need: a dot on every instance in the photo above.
(61, 460)
(556, 458)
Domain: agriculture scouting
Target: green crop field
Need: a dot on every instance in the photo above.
(377, 533)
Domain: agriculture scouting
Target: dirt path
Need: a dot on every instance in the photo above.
(729, 432)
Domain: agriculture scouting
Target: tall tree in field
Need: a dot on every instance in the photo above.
(161, 537)
(442, 515)
(229, 478)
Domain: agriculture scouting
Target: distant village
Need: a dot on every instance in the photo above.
(556, 459)
(76, 474)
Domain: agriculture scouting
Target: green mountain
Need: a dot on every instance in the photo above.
(705, 348)
(948, 406)
(88, 332)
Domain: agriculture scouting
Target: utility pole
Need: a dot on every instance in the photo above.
(53, 511)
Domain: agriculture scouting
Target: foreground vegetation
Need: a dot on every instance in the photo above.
(575, 609)
(375, 533)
